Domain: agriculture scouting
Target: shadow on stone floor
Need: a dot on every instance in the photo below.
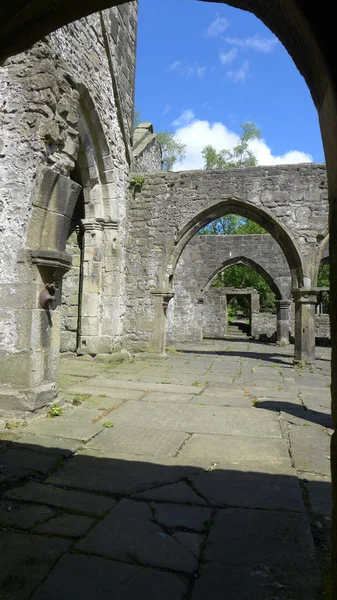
(269, 357)
(314, 416)
(129, 528)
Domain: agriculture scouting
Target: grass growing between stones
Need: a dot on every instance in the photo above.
(54, 411)
(77, 400)
(15, 424)
(108, 424)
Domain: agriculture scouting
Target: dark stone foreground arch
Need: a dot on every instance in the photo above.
(308, 32)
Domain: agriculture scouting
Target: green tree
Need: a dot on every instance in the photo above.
(241, 276)
(239, 156)
(173, 150)
(323, 280)
(232, 225)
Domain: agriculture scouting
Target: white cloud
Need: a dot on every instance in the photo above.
(197, 134)
(255, 43)
(217, 26)
(175, 65)
(167, 109)
(185, 70)
(240, 75)
(185, 118)
(227, 57)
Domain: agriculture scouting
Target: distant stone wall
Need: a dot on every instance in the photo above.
(206, 255)
(322, 327)
(264, 326)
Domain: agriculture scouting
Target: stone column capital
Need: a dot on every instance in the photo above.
(305, 296)
(283, 303)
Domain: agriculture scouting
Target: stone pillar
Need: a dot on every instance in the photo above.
(305, 306)
(89, 339)
(160, 299)
(254, 311)
(283, 322)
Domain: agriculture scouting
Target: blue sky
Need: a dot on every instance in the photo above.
(204, 68)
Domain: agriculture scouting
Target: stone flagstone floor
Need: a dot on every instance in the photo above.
(202, 476)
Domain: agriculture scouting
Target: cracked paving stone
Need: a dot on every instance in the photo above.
(251, 487)
(116, 473)
(95, 578)
(139, 440)
(23, 516)
(26, 560)
(255, 582)
(76, 423)
(175, 492)
(91, 504)
(175, 515)
(275, 538)
(128, 533)
(200, 419)
(67, 525)
(21, 463)
(192, 541)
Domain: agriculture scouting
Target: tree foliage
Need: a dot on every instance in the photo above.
(323, 280)
(237, 157)
(232, 225)
(173, 150)
(241, 276)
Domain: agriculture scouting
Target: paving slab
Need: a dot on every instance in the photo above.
(23, 516)
(26, 560)
(236, 449)
(76, 423)
(102, 397)
(175, 492)
(23, 463)
(303, 417)
(319, 493)
(310, 459)
(51, 445)
(138, 440)
(200, 419)
(192, 541)
(256, 582)
(175, 515)
(94, 578)
(168, 397)
(144, 386)
(273, 538)
(67, 525)
(91, 504)
(267, 488)
(129, 534)
(116, 473)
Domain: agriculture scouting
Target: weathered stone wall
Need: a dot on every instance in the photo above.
(322, 327)
(71, 295)
(146, 151)
(264, 326)
(214, 314)
(289, 201)
(60, 104)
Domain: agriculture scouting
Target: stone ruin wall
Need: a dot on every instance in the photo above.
(43, 92)
(295, 194)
